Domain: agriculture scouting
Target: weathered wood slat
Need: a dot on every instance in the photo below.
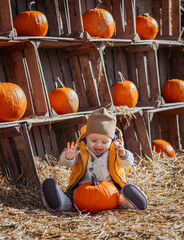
(123, 63)
(165, 18)
(64, 11)
(53, 141)
(109, 66)
(116, 11)
(6, 21)
(89, 81)
(176, 17)
(38, 142)
(181, 125)
(38, 92)
(130, 17)
(74, 20)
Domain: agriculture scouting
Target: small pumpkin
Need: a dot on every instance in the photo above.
(162, 146)
(173, 90)
(146, 27)
(96, 196)
(64, 100)
(124, 93)
(98, 23)
(31, 23)
(13, 102)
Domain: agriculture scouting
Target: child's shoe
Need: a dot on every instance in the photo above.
(53, 197)
(132, 197)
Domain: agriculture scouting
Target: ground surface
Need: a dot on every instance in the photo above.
(23, 216)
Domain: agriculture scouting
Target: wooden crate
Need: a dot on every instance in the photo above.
(80, 68)
(16, 155)
(167, 14)
(20, 64)
(167, 123)
(65, 16)
(139, 64)
(6, 21)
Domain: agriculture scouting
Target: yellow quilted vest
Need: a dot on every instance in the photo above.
(78, 171)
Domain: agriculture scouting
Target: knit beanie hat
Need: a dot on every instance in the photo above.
(101, 121)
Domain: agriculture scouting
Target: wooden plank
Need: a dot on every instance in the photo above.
(156, 14)
(116, 61)
(65, 66)
(123, 63)
(38, 93)
(154, 81)
(130, 17)
(142, 76)
(31, 136)
(91, 90)
(109, 65)
(64, 11)
(142, 134)
(163, 69)
(74, 21)
(154, 127)
(60, 137)
(15, 71)
(38, 142)
(165, 18)
(6, 21)
(43, 53)
(76, 72)
(176, 63)
(176, 18)
(9, 132)
(2, 72)
(21, 6)
(102, 82)
(116, 10)
(8, 158)
(55, 66)
(181, 124)
(45, 139)
(169, 130)
(54, 145)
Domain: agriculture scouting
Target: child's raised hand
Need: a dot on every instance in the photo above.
(71, 151)
(119, 146)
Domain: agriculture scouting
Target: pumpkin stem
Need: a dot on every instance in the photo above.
(120, 76)
(146, 15)
(60, 83)
(94, 180)
(30, 5)
(98, 4)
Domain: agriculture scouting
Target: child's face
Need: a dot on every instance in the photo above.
(98, 143)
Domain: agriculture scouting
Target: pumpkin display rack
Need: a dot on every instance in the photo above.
(89, 66)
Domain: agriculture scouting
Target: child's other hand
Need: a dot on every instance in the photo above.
(119, 146)
(71, 151)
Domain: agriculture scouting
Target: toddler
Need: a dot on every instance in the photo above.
(99, 151)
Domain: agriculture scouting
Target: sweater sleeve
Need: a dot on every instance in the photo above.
(127, 160)
(67, 163)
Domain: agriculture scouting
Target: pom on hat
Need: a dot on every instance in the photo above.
(101, 121)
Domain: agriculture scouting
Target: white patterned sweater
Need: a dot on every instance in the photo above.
(98, 165)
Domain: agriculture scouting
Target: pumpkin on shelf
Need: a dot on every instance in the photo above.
(173, 90)
(146, 27)
(64, 100)
(124, 92)
(96, 196)
(161, 146)
(31, 23)
(13, 102)
(98, 22)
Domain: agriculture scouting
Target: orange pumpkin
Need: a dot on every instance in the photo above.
(96, 196)
(31, 23)
(64, 100)
(13, 102)
(124, 93)
(173, 90)
(162, 146)
(146, 27)
(98, 23)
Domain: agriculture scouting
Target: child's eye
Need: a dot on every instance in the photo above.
(104, 142)
(93, 140)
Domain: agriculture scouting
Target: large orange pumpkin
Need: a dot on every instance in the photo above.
(13, 102)
(31, 23)
(96, 196)
(98, 23)
(146, 27)
(64, 100)
(124, 93)
(173, 90)
(162, 146)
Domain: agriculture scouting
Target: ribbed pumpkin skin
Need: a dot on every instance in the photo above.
(31, 23)
(124, 93)
(95, 199)
(98, 23)
(173, 90)
(64, 100)
(146, 27)
(162, 146)
(13, 102)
